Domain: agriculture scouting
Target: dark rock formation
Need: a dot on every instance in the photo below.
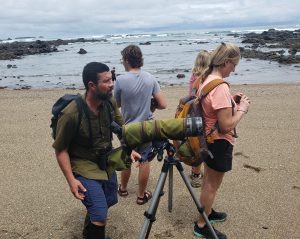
(289, 40)
(16, 50)
(82, 51)
(201, 42)
(145, 43)
(179, 76)
(271, 56)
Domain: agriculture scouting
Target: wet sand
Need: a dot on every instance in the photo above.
(261, 194)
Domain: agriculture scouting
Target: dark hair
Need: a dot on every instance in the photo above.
(133, 55)
(90, 72)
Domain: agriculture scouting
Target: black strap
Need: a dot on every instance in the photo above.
(203, 136)
(82, 107)
(109, 107)
(111, 111)
(79, 103)
(234, 130)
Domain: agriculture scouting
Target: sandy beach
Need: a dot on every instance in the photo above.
(261, 194)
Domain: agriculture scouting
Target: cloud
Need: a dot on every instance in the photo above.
(75, 17)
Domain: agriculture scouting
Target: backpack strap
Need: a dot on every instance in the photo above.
(109, 106)
(82, 108)
(210, 86)
(111, 111)
(79, 103)
(204, 91)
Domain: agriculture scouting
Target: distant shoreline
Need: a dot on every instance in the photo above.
(164, 87)
(268, 57)
(270, 39)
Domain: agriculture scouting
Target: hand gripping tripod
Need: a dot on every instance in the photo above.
(168, 164)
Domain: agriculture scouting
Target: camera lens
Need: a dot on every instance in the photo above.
(193, 126)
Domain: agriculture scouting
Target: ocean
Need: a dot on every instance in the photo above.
(169, 54)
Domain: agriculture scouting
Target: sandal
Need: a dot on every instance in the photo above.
(145, 199)
(122, 193)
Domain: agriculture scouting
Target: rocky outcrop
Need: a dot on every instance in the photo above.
(288, 41)
(272, 36)
(16, 50)
(145, 43)
(82, 51)
(271, 56)
(179, 76)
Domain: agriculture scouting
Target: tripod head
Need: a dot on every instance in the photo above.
(158, 147)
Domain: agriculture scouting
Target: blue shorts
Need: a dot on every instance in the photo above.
(100, 195)
(145, 150)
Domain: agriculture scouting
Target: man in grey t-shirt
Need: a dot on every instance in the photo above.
(133, 92)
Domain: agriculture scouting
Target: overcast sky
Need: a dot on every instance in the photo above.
(54, 18)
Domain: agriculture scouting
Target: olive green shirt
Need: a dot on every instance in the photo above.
(82, 154)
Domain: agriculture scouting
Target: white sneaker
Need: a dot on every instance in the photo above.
(196, 182)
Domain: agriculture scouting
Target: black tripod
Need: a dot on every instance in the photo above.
(168, 164)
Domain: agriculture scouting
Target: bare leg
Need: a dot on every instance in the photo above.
(196, 176)
(99, 223)
(144, 172)
(196, 170)
(211, 183)
(125, 175)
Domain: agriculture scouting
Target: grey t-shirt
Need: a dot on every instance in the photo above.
(133, 91)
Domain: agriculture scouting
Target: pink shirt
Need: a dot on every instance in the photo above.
(192, 80)
(218, 98)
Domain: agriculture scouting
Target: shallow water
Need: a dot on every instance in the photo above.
(168, 55)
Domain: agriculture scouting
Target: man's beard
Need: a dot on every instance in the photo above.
(103, 96)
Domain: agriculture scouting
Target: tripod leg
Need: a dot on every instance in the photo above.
(170, 193)
(195, 199)
(150, 213)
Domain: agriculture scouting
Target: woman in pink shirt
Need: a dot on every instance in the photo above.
(225, 111)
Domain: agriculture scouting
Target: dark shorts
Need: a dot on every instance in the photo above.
(221, 149)
(145, 150)
(100, 195)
